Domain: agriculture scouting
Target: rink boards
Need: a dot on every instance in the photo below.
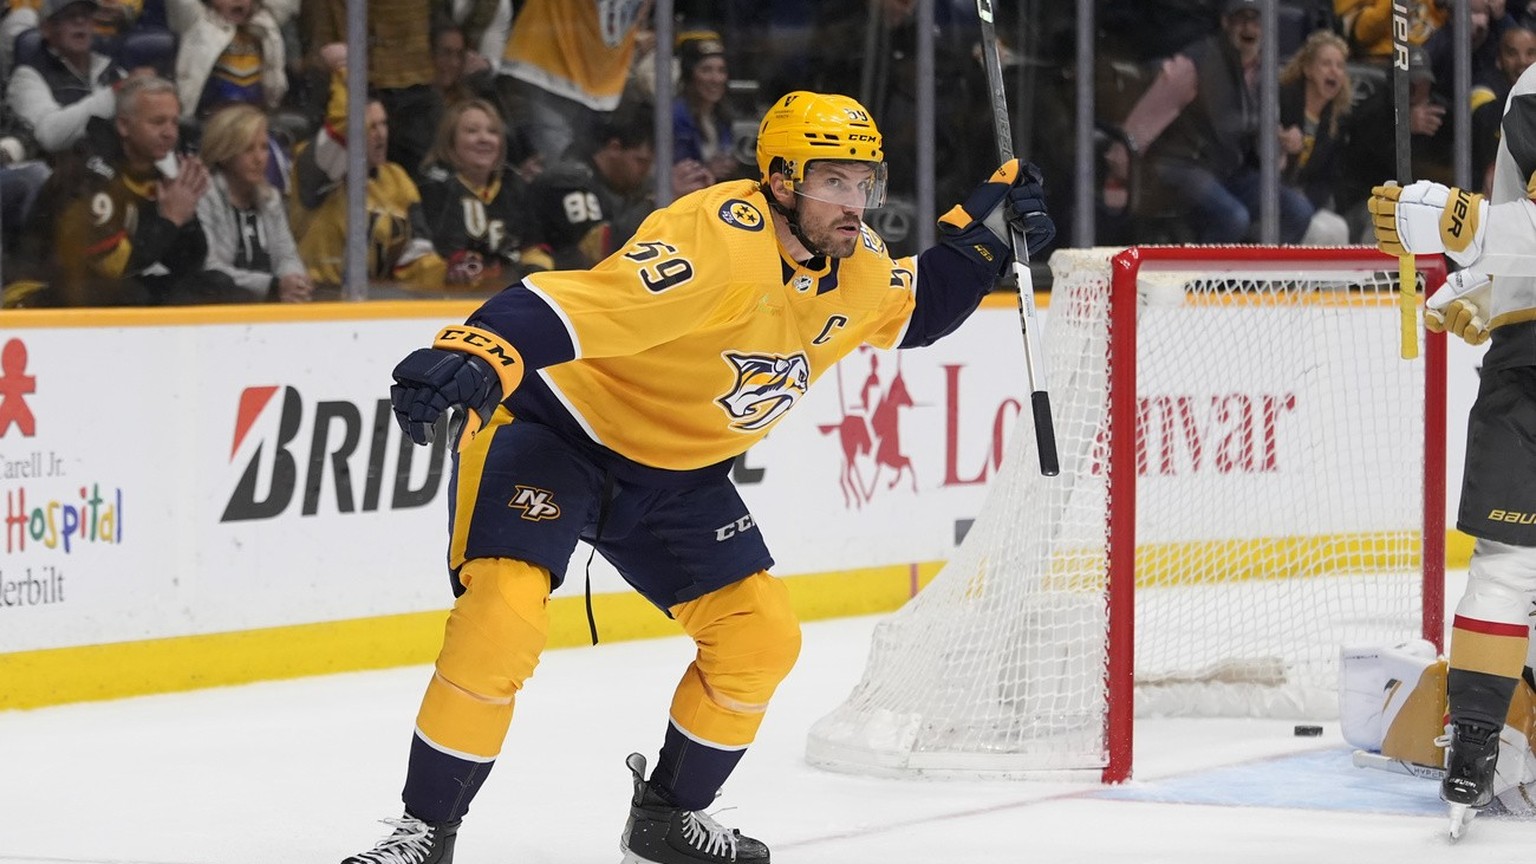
(211, 496)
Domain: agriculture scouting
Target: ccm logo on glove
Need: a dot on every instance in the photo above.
(479, 342)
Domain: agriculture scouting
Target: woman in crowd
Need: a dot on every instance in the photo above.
(243, 217)
(1315, 95)
(475, 208)
(701, 121)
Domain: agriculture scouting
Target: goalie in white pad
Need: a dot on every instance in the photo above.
(1392, 702)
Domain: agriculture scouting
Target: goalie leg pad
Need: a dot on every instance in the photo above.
(1413, 715)
(491, 645)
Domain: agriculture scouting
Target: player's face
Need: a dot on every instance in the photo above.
(831, 205)
(476, 142)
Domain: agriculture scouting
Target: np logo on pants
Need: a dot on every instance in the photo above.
(536, 504)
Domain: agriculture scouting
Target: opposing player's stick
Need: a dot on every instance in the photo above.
(1407, 274)
(1367, 759)
(1040, 400)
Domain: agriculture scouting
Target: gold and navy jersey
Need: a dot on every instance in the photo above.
(690, 342)
(579, 49)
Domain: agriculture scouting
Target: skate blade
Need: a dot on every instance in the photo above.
(1461, 814)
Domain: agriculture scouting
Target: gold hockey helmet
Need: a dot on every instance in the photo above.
(803, 127)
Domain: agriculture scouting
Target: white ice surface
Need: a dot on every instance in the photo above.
(298, 771)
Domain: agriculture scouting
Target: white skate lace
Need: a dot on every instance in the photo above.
(708, 836)
(409, 844)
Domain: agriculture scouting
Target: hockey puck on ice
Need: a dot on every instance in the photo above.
(1307, 731)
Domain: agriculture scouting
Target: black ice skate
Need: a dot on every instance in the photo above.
(414, 842)
(659, 833)
(1469, 771)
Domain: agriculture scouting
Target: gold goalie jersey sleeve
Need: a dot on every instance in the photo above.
(688, 344)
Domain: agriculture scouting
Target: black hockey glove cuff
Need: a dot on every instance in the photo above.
(466, 367)
(1013, 195)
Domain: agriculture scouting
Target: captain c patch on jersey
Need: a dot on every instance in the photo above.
(765, 387)
(741, 214)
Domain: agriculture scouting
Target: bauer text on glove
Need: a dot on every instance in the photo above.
(1013, 195)
(466, 367)
(1424, 218)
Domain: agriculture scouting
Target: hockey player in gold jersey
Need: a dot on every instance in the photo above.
(607, 405)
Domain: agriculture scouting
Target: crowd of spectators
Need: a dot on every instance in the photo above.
(1181, 136)
(194, 151)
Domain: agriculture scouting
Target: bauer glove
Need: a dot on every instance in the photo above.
(467, 368)
(1014, 196)
(1461, 306)
(1424, 218)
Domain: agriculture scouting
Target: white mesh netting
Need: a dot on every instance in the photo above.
(1279, 512)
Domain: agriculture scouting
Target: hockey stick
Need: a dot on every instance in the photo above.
(1368, 759)
(1040, 400)
(1407, 274)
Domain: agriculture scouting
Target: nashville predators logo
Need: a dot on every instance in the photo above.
(536, 504)
(741, 214)
(766, 386)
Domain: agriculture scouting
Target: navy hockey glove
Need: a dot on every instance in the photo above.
(978, 228)
(467, 368)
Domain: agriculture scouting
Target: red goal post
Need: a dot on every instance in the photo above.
(1251, 477)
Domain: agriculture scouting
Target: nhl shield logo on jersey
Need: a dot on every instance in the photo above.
(766, 386)
(741, 214)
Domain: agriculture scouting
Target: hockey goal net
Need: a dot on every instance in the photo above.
(1251, 476)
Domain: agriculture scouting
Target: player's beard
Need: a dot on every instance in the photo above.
(824, 234)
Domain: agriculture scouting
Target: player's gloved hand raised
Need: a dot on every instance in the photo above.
(466, 367)
(1461, 306)
(1424, 218)
(1014, 195)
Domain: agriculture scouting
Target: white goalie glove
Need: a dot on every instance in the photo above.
(1424, 218)
(1461, 306)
